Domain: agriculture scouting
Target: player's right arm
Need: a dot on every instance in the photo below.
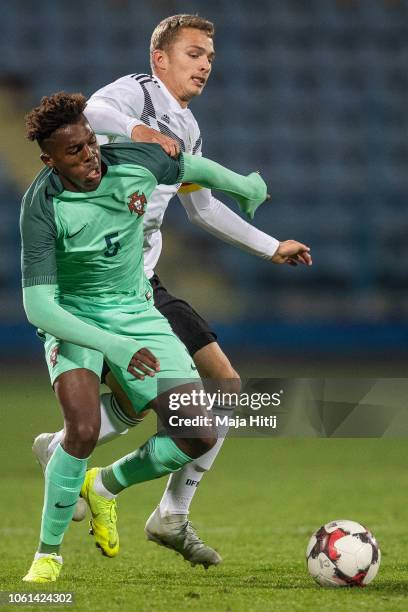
(116, 109)
(39, 271)
(43, 311)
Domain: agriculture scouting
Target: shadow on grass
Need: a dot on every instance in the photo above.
(393, 586)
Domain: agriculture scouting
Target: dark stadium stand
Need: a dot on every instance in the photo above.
(314, 94)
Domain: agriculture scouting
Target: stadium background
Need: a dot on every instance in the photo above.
(311, 93)
(314, 94)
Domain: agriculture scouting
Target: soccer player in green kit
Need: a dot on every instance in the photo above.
(182, 55)
(83, 283)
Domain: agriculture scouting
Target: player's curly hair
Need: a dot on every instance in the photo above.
(53, 112)
(167, 30)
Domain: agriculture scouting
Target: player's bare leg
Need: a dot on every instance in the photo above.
(78, 395)
(117, 417)
(168, 524)
(161, 454)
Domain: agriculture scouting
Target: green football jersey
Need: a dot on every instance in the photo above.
(82, 252)
(90, 244)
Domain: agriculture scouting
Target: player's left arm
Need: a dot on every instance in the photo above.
(204, 210)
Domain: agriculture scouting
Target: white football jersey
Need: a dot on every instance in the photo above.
(145, 98)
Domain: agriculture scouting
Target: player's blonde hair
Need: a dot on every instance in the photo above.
(167, 31)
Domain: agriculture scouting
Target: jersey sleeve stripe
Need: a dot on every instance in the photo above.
(181, 173)
(138, 77)
(197, 145)
(39, 280)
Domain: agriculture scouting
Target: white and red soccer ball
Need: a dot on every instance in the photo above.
(343, 553)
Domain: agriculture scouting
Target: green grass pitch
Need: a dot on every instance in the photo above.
(258, 507)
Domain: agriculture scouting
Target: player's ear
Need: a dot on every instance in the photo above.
(46, 159)
(159, 60)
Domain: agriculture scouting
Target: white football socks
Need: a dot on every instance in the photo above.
(100, 488)
(182, 485)
(57, 558)
(114, 422)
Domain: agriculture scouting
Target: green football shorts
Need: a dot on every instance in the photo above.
(148, 327)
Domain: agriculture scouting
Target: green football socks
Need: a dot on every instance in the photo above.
(64, 476)
(158, 456)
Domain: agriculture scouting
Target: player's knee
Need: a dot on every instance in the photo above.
(227, 377)
(82, 435)
(202, 444)
(207, 442)
(231, 384)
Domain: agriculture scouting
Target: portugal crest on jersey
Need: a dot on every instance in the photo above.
(137, 203)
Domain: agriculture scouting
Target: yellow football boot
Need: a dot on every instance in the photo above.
(44, 569)
(103, 521)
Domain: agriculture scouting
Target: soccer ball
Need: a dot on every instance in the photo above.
(343, 553)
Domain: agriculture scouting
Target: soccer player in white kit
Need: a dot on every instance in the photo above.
(154, 108)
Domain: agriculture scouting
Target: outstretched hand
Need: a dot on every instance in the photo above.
(143, 363)
(292, 253)
(143, 133)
